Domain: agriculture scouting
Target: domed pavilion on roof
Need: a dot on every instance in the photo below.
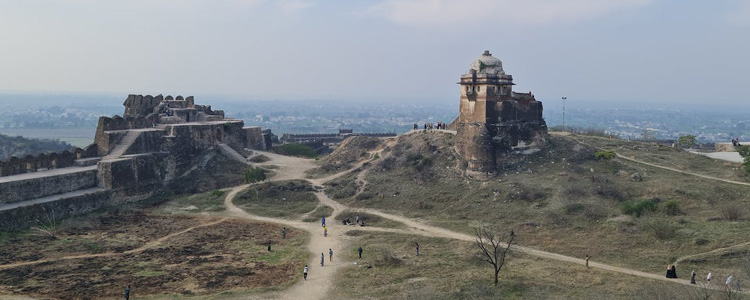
(493, 119)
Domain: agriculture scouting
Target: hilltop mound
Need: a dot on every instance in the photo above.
(562, 198)
(350, 152)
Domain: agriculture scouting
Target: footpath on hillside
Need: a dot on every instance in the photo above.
(321, 280)
(318, 288)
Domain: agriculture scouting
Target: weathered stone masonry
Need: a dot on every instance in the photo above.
(493, 119)
(159, 141)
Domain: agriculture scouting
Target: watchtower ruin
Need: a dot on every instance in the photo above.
(493, 119)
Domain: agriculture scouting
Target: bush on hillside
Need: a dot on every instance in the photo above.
(253, 175)
(672, 207)
(637, 208)
(604, 155)
(732, 211)
(745, 152)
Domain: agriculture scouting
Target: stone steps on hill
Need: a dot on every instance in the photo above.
(231, 153)
(124, 144)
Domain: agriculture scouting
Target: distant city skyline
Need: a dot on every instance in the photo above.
(588, 50)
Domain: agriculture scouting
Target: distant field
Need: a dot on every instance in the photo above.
(80, 137)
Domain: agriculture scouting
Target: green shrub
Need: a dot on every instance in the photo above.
(605, 155)
(672, 207)
(637, 208)
(253, 175)
(217, 193)
(745, 152)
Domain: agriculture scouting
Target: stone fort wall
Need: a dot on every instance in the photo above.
(45, 161)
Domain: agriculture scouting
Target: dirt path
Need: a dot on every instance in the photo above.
(148, 245)
(663, 167)
(320, 280)
(415, 227)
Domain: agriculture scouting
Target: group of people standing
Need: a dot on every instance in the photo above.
(306, 269)
(431, 126)
(672, 273)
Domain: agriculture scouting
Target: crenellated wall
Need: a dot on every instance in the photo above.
(45, 161)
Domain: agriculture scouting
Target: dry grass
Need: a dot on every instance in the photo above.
(368, 219)
(567, 203)
(449, 269)
(283, 199)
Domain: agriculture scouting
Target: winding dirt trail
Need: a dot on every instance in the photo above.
(321, 279)
(659, 166)
(319, 290)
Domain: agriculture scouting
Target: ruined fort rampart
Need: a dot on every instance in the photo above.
(158, 141)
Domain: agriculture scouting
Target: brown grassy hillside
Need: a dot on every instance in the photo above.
(562, 199)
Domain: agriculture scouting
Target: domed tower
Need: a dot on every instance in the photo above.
(493, 119)
(482, 88)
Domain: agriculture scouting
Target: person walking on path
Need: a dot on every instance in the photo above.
(417, 244)
(330, 254)
(325, 231)
(127, 293)
(322, 259)
(304, 272)
(323, 221)
(360, 252)
(356, 218)
(283, 233)
(708, 278)
(692, 277)
(587, 260)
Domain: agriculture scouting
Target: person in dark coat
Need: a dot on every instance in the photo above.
(674, 271)
(360, 252)
(127, 293)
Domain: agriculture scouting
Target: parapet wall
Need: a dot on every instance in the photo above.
(45, 161)
(54, 211)
(32, 186)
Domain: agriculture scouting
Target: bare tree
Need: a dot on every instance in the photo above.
(494, 250)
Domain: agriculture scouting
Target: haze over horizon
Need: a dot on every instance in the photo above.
(665, 51)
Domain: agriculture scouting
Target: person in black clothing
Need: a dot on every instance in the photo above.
(360, 252)
(127, 293)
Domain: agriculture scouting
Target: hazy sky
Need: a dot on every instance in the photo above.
(607, 50)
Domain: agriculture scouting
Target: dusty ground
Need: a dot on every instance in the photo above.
(163, 255)
(225, 253)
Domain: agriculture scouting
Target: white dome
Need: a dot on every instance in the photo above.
(487, 65)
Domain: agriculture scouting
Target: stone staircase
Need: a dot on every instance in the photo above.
(231, 153)
(123, 145)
